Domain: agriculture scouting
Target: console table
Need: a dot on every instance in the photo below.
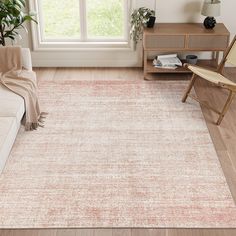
(182, 37)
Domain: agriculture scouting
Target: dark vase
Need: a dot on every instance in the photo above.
(209, 22)
(151, 22)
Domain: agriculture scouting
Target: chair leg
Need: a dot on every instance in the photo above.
(226, 107)
(193, 79)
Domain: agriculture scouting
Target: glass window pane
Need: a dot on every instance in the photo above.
(61, 19)
(105, 18)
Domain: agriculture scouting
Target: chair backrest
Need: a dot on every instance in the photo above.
(231, 57)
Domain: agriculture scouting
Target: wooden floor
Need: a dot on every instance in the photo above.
(224, 138)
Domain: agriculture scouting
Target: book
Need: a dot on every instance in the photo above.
(170, 61)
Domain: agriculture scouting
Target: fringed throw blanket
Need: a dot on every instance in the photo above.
(21, 82)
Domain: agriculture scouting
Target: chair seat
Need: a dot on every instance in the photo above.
(211, 76)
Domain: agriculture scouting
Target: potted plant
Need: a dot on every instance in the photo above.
(12, 19)
(140, 18)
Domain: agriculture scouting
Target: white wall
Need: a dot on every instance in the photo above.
(189, 11)
(167, 11)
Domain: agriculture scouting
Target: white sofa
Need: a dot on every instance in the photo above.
(12, 109)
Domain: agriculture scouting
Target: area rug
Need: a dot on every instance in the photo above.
(115, 154)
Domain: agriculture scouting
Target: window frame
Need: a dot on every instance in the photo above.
(40, 44)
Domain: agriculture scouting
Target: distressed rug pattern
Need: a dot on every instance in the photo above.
(115, 154)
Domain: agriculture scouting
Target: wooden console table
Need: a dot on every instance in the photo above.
(182, 37)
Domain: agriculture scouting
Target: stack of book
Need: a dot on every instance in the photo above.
(170, 61)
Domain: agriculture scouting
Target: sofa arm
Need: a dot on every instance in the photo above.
(26, 59)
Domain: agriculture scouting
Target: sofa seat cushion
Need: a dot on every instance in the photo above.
(11, 104)
(8, 131)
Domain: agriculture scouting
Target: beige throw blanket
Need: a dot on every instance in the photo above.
(21, 82)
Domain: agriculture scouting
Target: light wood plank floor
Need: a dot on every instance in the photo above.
(224, 138)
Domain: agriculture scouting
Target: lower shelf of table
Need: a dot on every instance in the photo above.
(151, 69)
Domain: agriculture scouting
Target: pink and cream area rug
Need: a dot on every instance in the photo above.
(115, 154)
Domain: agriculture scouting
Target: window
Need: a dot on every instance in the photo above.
(59, 19)
(82, 22)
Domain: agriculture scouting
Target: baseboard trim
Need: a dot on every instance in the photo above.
(85, 63)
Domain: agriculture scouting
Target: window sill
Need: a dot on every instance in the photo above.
(83, 46)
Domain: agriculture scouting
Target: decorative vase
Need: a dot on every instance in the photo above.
(209, 22)
(151, 22)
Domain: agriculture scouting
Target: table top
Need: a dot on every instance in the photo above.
(186, 28)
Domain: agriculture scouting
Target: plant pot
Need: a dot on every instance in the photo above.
(151, 22)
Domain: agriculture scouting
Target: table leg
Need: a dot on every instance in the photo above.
(217, 54)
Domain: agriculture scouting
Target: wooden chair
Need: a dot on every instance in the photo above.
(217, 78)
